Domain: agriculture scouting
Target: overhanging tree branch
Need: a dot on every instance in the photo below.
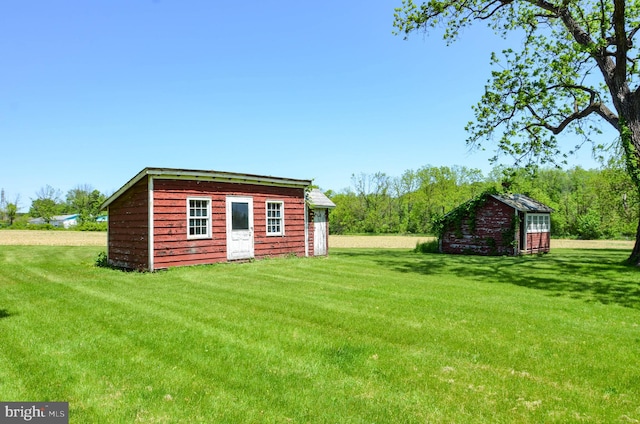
(597, 108)
(594, 106)
(491, 9)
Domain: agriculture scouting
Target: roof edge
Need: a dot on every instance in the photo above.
(317, 199)
(219, 176)
(505, 199)
(515, 201)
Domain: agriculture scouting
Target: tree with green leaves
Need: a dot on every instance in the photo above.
(47, 204)
(85, 201)
(578, 67)
(3, 205)
(8, 210)
(11, 211)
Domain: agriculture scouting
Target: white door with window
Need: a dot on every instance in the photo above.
(239, 227)
(319, 232)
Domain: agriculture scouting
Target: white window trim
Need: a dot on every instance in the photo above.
(542, 223)
(207, 235)
(266, 212)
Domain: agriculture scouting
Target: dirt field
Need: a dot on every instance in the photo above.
(90, 238)
(592, 244)
(407, 242)
(400, 242)
(53, 238)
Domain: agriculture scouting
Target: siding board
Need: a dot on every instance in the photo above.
(173, 248)
(129, 228)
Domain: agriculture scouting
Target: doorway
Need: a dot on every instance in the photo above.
(319, 232)
(239, 228)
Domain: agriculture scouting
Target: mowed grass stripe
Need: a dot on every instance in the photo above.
(361, 336)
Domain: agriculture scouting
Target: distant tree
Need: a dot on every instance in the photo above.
(378, 203)
(346, 217)
(85, 201)
(11, 212)
(578, 67)
(617, 200)
(590, 203)
(47, 204)
(378, 213)
(404, 190)
(3, 205)
(8, 210)
(440, 190)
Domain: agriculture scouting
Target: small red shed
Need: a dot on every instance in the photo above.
(167, 217)
(497, 224)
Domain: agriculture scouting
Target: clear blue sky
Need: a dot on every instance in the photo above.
(91, 92)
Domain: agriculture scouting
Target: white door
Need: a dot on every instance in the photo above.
(320, 232)
(239, 227)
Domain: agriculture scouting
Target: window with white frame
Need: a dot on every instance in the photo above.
(538, 223)
(275, 218)
(198, 217)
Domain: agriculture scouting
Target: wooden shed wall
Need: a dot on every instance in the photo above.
(171, 246)
(538, 242)
(493, 234)
(128, 237)
(311, 232)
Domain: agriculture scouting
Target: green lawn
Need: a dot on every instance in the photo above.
(364, 336)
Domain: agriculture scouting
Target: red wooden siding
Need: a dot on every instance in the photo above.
(538, 242)
(129, 227)
(493, 233)
(171, 246)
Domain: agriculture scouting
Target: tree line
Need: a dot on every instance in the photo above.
(588, 204)
(49, 202)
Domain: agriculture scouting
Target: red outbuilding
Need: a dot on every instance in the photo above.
(172, 217)
(497, 224)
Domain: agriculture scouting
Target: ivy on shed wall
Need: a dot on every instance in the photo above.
(464, 214)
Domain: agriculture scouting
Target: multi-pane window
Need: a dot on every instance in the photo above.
(199, 217)
(538, 223)
(275, 218)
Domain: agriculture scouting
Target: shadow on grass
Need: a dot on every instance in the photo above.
(593, 275)
(4, 313)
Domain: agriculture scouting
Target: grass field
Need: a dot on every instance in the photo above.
(363, 336)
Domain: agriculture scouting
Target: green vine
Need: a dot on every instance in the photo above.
(631, 155)
(491, 243)
(465, 213)
(510, 233)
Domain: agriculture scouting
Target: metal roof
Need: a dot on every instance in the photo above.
(219, 176)
(522, 203)
(318, 199)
